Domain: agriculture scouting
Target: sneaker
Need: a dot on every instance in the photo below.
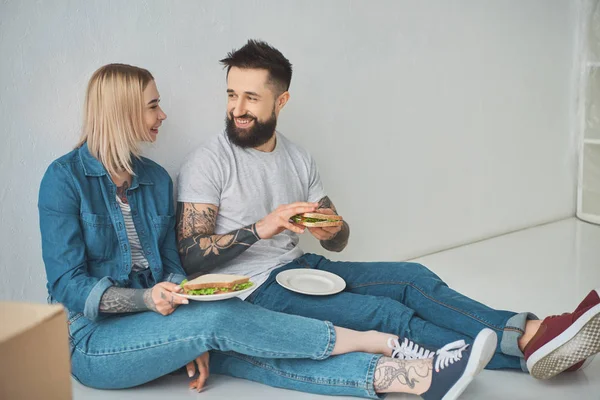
(566, 340)
(455, 367)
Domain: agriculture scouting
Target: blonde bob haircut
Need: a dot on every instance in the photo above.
(113, 124)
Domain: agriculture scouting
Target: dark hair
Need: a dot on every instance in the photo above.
(257, 54)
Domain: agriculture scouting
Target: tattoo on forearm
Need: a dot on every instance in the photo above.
(205, 252)
(325, 202)
(199, 249)
(340, 240)
(393, 375)
(122, 300)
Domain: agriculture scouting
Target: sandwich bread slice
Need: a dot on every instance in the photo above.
(317, 220)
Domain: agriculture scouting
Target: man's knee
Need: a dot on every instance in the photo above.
(416, 272)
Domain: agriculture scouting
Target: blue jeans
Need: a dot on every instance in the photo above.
(250, 342)
(405, 299)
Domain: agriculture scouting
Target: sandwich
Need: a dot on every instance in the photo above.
(215, 284)
(316, 220)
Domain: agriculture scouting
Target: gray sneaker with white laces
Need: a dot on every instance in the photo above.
(454, 366)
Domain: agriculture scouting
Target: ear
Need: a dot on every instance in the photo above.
(282, 100)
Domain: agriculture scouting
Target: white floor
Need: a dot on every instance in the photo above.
(546, 270)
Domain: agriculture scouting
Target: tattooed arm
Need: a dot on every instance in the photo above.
(122, 300)
(199, 248)
(159, 298)
(331, 238)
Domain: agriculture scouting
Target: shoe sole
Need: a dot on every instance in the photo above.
(578, 342)
(587, 363)
(482, 351)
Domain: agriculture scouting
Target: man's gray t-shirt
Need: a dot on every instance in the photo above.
(246, 185)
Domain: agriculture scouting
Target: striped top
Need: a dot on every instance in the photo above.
(138, 260)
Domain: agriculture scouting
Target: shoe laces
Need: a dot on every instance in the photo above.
(408, 350)
(449, 354)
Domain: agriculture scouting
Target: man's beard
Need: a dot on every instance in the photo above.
(256, 135)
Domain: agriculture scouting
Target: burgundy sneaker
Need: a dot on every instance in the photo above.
(565, 340)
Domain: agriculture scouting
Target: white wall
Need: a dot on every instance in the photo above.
(434, 122)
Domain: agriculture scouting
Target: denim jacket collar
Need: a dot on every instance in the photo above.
(93, 167)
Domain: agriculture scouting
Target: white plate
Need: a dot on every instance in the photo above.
(215, 297)
(311, 281)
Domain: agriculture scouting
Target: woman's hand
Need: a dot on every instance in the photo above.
(202, 362)
(161, 298)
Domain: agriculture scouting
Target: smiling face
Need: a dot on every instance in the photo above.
(252, 107)
(153, 113)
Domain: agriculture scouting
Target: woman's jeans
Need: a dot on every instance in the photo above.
(251, 342)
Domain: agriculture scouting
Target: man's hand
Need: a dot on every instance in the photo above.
(279, 220)
(162, 300)
(327, 232)
(202, 362)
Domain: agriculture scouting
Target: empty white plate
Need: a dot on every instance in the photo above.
(311, 281)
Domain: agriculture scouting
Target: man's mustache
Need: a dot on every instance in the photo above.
(245, 116)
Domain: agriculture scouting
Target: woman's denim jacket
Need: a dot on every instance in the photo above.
(84, 241)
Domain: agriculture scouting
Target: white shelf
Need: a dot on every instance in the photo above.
(591, 141)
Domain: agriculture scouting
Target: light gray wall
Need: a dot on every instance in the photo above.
(434, 122)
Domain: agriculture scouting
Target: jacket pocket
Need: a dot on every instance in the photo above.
(99, 235)
(161, 225)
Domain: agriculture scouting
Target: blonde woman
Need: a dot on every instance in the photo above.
(109, 248)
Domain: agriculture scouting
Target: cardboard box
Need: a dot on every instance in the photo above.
(34, 352)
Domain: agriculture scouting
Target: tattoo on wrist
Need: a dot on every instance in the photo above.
(340, 240)
(254, 231)
(149, 301)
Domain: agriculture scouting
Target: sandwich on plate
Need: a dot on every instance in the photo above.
(215, 284)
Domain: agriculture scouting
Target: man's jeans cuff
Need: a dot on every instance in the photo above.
(514, 329)
(331, 339)
(524, 365)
